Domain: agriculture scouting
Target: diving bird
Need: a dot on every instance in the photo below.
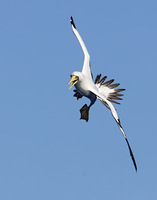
(106, 92)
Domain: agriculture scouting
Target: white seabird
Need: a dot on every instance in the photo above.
(104, 91)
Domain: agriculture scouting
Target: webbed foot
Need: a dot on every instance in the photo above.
(77, 94)
(84, 112)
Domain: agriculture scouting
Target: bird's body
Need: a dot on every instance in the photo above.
(84, 86)
(106, 92)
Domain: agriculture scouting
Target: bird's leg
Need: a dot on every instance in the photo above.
(85, 112)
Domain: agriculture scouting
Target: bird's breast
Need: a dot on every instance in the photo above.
(84, 88)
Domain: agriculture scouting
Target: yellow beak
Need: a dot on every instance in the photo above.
(73, 81)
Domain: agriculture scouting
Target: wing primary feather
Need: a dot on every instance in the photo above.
(131, 154)
(130, 150)
(72, 22)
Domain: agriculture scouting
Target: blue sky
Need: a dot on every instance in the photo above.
(46, 152)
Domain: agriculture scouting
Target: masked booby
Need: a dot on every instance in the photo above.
(106, 92)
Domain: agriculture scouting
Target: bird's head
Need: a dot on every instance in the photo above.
(75, 77)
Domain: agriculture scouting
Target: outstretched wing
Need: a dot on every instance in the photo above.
(115, 115)
(86, 70)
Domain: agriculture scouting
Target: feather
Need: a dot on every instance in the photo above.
(105, 104)
(113, 101)
(97, 79)
(108, 82)
(114, 85)
(119, 90)
(114, 97)
(102, 80)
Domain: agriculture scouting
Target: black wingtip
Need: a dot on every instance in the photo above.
(131, 154)
(72, 22)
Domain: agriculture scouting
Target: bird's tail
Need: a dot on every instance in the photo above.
(108, 89)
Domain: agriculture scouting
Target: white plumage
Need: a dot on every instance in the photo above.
(104, 91)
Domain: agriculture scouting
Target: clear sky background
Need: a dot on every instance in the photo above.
(46, 152)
